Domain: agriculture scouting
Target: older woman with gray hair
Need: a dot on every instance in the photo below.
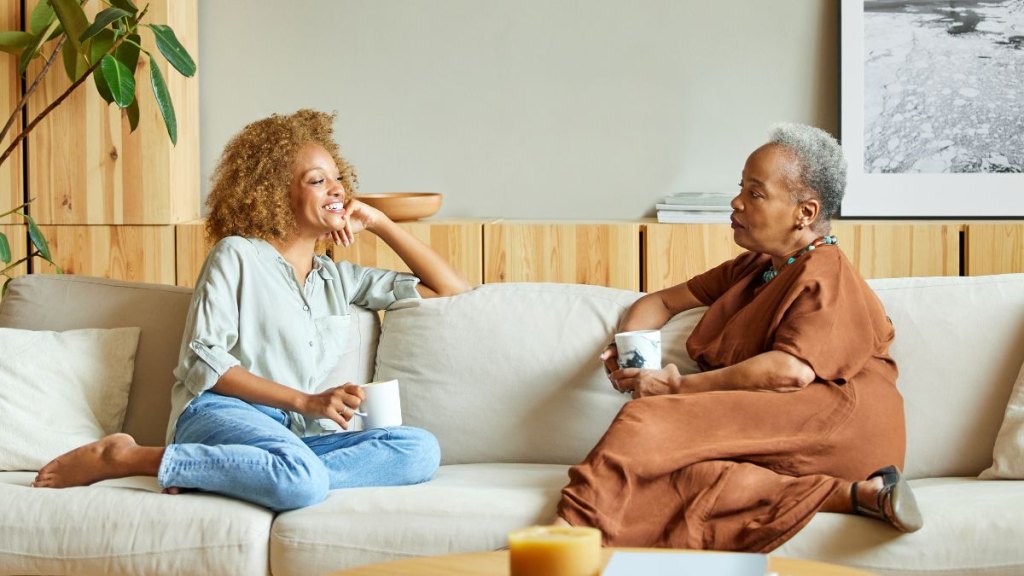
(795, 409)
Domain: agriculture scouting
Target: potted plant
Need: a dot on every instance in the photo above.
(107, 50)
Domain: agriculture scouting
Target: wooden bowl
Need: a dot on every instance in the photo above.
(404, 206)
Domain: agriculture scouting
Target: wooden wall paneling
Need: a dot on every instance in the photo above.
(457, 241)
(85, 167)
(138, 253)
(606, 254)
(996, 248)
(190, 248)
(17, 236)
(674, 253)
(898, 249)
(11, 191)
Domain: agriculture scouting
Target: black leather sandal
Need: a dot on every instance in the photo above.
(895, 503)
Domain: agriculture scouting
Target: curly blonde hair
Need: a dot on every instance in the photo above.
(250, 193)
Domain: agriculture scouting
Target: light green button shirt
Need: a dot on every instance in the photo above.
(248, 310)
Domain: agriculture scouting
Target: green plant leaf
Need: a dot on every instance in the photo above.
(119, 80)
(56, 32)
(37, 238)
(3, 291)
(163, 100)
(127, 52)
(133, 115)
(41, 18)
(71, 16)
(101, 86)
(125, 5)
(15, 41)
(100, 45)
(103, 19)
(33, 47)
(175, 53)
(74, 62)
(5, 249)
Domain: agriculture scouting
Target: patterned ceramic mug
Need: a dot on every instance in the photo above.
(639, 349)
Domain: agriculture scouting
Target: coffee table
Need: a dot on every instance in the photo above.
(496, 564)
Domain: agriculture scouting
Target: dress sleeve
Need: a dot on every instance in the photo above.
(212, 326)
(834, 324)
(373, 288)
(710, 285)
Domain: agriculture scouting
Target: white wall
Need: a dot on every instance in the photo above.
(561, 109)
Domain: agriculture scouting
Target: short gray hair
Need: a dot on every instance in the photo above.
(822, 165)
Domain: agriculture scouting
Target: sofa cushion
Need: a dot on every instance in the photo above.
(127, 527)
(509, 372)
(61, 390)
(1008, 454)
(959, 345)
(66, 302)
(465, 508)
(971, 527)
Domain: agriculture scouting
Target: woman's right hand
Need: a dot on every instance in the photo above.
(337, 404)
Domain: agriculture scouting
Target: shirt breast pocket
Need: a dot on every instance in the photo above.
(334, 335)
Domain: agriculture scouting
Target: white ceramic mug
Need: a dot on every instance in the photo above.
(639, 349)
(382, 407)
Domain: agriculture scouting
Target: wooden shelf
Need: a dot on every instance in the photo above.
(138, 253)
(605, 254)
(996, 248)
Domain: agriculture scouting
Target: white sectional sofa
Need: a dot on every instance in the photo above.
(506, 376)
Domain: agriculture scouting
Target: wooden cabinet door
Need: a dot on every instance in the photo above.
(603, 254)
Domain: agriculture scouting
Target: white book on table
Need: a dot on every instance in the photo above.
(689, 217)
(694, 207)
(699, 198)
(677, 563)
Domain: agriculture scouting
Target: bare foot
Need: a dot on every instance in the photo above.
(114, 456)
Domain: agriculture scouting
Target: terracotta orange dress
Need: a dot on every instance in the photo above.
(745, 469)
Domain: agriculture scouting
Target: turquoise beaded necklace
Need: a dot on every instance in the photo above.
(823, 241)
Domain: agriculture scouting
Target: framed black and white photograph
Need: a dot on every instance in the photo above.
(932, 111)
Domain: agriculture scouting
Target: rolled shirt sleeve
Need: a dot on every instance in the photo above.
(373, 288)
(212, 322)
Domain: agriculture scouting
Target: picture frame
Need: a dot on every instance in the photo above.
(921, 134)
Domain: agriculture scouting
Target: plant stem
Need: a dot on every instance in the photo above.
(31, 90)
(15, 209)
(55, 103)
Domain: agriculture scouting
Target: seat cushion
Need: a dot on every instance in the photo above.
(127, 527)
(971, 527)
(465, 508)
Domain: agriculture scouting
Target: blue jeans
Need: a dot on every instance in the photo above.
(228, 446)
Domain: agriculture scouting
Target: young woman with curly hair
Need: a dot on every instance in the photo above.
(269, 319)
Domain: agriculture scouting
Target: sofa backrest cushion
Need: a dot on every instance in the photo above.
(509, 372)
(959, 345)
(66, 302)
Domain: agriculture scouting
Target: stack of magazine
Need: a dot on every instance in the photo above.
(695, 207)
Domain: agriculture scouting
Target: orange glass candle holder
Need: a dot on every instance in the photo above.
(554, 551)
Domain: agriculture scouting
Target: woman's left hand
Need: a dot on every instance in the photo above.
(642, 383)
(358, 217)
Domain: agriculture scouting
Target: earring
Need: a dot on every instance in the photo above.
(800, 226)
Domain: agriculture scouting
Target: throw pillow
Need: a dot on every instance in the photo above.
(60, 390)
(1008, 454)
